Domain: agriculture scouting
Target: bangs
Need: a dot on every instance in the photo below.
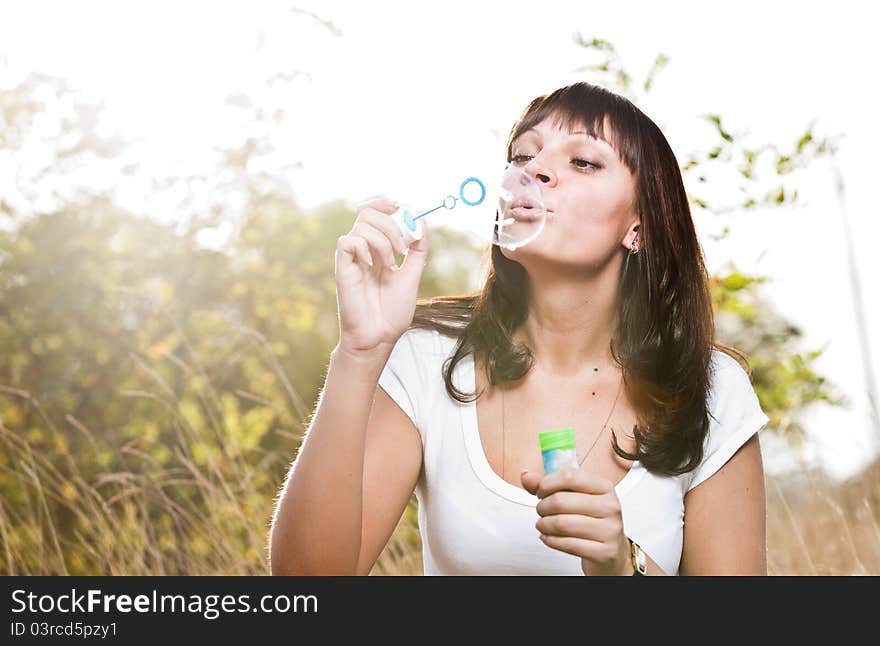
(594, 110)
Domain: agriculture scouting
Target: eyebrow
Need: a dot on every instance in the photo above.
(576, 132)
(592, 138)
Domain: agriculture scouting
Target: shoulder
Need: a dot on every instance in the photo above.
(728, 377)
(423, 341)
(723, 361)
(421, 352)
(735, 415)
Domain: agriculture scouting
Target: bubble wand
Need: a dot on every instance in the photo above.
(519, 196)
(407, 222)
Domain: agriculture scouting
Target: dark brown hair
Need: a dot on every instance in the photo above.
(665, 331)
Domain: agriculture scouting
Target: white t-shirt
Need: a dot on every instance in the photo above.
(473, 522)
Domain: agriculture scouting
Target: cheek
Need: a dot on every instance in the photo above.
(600, 204)
(566, 241)
(585, 227)
(586, 237)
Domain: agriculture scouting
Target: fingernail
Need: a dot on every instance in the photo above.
(523, 472)
(391, 261)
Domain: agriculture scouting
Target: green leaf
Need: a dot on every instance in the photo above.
(803, 141)
(659, 63)
(736, 281)
(784, 165)
(716, 121)
(602, 45)
(602, 67)
(780, 197)
(593, 43)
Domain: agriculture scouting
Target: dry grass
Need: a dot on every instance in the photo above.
(204, 513)
(175, 520)
(194, 503)
(817, 527)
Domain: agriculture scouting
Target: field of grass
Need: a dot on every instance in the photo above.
(817, 527)
(197, 516)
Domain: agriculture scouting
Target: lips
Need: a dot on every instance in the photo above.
(525, 209)
(526, 202)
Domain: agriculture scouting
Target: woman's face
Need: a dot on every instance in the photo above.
(588, 192)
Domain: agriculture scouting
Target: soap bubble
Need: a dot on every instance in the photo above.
(520, 213)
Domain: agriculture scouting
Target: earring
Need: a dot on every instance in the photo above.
(634, 249)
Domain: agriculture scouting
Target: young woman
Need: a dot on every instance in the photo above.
(603, 323)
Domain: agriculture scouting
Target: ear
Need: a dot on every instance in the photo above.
(632, 234)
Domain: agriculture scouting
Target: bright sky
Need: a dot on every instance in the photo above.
(407, 97)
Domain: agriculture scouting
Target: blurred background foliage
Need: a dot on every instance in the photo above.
(156, 378)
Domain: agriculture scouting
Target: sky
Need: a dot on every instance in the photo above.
(404, 98)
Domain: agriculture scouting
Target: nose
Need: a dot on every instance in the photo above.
(542, 172)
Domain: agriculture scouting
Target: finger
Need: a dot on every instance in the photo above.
(573, 480)
(356, 247)
(382, 204)
(421, 245)
(416, 257)
(530, 480)
(575, 546)
(386, 225)
(576, 502)
(379, 243)
(601, 530)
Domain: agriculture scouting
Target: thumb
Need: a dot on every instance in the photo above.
(530, 480)
(416, 255)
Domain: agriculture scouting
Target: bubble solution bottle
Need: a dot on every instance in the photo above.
(558, 450)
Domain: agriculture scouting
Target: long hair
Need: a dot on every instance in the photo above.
(665, 325)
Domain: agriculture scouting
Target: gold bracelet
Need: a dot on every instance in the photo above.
(638, 559)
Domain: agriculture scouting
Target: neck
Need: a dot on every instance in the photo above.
(571, 322)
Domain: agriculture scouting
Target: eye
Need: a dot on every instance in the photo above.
(521, 159)
(583, 164)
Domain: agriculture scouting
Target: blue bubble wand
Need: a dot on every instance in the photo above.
(449, 202)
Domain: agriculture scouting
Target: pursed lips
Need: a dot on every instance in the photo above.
(526, 208)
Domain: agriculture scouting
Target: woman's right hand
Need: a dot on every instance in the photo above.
(376, 301)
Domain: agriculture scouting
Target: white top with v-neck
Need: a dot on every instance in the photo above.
(473, 522)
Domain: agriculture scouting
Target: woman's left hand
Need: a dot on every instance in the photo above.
(580, 515)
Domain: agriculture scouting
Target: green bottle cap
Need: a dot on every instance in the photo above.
(562, 438)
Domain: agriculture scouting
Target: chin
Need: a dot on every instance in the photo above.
(540, 246)
(544, 257)
(529, 253)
